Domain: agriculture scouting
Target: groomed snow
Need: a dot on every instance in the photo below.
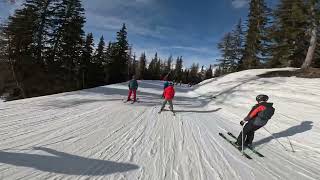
(92, 134)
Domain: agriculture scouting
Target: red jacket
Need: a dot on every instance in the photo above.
(168, 93)
(254, 111)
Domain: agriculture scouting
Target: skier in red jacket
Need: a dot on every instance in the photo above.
(168, 97)
(257, 118)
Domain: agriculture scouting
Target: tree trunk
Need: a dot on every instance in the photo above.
(313, 40)
(16, 79)
(83, 85)
(11, 63)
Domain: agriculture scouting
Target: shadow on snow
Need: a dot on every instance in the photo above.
(64, 163)
(303, 127)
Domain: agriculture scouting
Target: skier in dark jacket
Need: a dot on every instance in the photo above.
(257, 118)
(133, 86)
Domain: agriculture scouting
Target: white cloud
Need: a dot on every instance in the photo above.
(189, 48)
(239, 3)
(106, 5)
(114, 23)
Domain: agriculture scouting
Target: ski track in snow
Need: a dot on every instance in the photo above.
(92, 134)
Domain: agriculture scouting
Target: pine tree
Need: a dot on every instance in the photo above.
(7, 76)
(130, 62)
(118, 66)
(185, 76)
(228, 63)
(238, 43)
(157, 74)
(100, 53)
(142, 66)
(20, 35)
(255, 45)
(178, 69)
(208, 74)
(86, 60)
(96, 71)
(218, 72)
(314, 7)
(202, 74)
(108, 61)
(289, 34)
(44, 12)
(316, 61)
(169, 64)
(231, 47)
(194, 78)
(70, 40)
(134, 65)
(154, 68)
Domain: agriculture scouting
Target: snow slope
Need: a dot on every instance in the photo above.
(92, 134)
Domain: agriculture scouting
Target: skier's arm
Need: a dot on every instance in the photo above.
(137, 85)
(255, 112)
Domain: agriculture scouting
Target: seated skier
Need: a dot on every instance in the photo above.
(257, 118)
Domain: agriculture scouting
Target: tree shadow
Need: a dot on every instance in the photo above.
(64, 163)
(77, 102)
(303, 127)
(195, 111)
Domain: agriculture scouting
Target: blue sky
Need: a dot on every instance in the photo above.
(185, 28)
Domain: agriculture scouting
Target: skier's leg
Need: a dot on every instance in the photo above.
(134, 95)
(246, 129)
(163, 104)
(250, 136)
(171, 105)
(129, 95)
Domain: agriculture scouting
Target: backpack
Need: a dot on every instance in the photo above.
(264, 116)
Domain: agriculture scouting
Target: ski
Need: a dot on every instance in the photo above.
(131, 101)
(173, 113)
(251, 148)
(234, 145)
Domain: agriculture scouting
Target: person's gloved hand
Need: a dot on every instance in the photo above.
(246, 118)
(241, 123)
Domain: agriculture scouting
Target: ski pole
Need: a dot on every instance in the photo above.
(242, 142)
(242, 138)
(275, 139)
(290, 144)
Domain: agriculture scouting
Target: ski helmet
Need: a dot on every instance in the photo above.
(262, 97)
